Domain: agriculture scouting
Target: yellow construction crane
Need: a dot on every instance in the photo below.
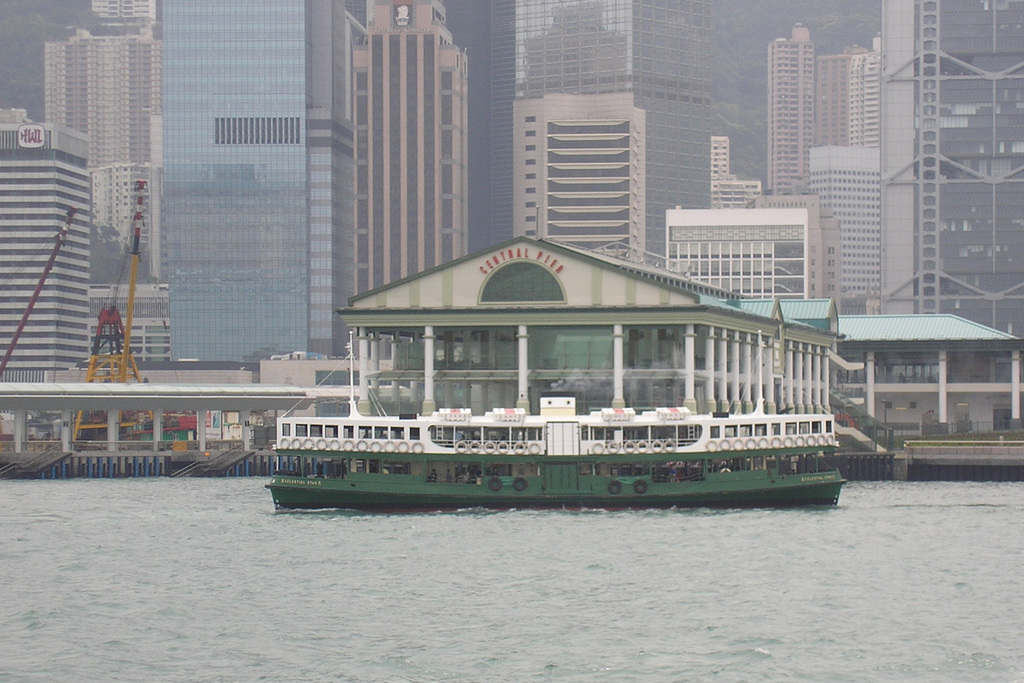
(111, 359)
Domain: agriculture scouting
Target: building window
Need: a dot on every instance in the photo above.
(518, 281)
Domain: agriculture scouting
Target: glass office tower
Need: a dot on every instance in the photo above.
(235, 225)
(655, 49)
(953, 160)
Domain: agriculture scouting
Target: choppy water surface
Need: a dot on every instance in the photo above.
(185, 580)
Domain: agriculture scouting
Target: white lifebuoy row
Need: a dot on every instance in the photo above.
(348, 445)
(653, 446)
(764, 442)
(496, 447)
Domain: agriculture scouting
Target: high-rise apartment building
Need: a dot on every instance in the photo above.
(256, 235)
(580, 170)
(107, 87)
(728, 191)
(790, 110)
(847, 181)
(953, 160)
(865, 96)
(832, 98)
(43, 172)
(411, 155)
(654, 50)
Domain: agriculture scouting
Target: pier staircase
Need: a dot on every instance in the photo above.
(33, 467)
(216, 465)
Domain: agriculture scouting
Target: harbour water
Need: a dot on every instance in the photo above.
(200, 579)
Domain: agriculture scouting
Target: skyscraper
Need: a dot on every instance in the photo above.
(953, 160)
(790, 110)
(411, 155)
(655, 50)
(256, 148)
(43, 172)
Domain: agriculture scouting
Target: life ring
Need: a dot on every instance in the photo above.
(658, 446)
(519, 447)
(725, 445)
(750, 443)
(788, 442)
(417, 448)
(474, 446)
(614, 447)
(643, 446)
(801, 441)
(390, 447)
(503, 447)
(629, 446)
(597, 449)
(615, 487)
(334, 445)
(321, 444)
(762, 442)
(712, 446)
(776, 442)
(739, 444)
(403, 446)
(296, 443)
(534, 449)
(490, 447)
(375, 447)
(520, 484)
(640, 486)
(494, 484)
(362, 446)
(307, 444)
(462, 447)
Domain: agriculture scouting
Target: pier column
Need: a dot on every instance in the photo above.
(768, 363)
(429, 405)
(113, 429)
(748, 370)
(943, 389)
(374, 343)
(689, 372)
(826, 378)
(244, 417)
(798, 378)
(816, 374)
(158, 428)
(364, 373)
(869, 382)
(618, 375)
(20, 430)
(523, 387)
(808, 379)
(709, 369)
(201, 430)
(734, 372)
(722, 361)
(1015, 388)
(788, 378)
(65, 430)
(757, 373)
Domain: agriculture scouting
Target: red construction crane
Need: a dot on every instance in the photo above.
(62, 237)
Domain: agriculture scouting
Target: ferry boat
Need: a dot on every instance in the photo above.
(505, 459)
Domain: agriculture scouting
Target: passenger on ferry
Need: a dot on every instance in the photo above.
(433, 477)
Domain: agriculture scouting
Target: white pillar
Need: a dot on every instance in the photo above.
(769, 375)
(244, 416)
(789, 379)
(523, 401)
(158, 428)
(201, 430)
(689, 372)
(66, 427)
(364, 372)
(429, 404)
(618, 374)
(826, 378)
(709, 369)
(798, 378)
(20, 430)
(1015, 387)
(748, 370)
(723, 370)
(374, 343)
(808, 379)
(734, 372)
(113, 429)
(816, 373)
(869, 382)
(943, 389)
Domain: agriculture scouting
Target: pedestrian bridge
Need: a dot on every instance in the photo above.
(68, 399)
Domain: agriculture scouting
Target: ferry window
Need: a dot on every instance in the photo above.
(301, 430)
(805, 427)
(380, 432)
(373, 466)
(316, 430)
(776, 429)
(286, 429)
(359, 465)
(663, 433)
(761, 430)
(730, 430)
(791, 428)
(470, 434)
(746, 430)
(828, 426)
(365, 432)
(414, 433)
(331, 431)
(496, 434)
(634, 433)
(716, 432)
(397, 432)
(816, 428)
(348, 431)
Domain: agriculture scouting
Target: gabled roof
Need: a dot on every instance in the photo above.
(939, 327)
